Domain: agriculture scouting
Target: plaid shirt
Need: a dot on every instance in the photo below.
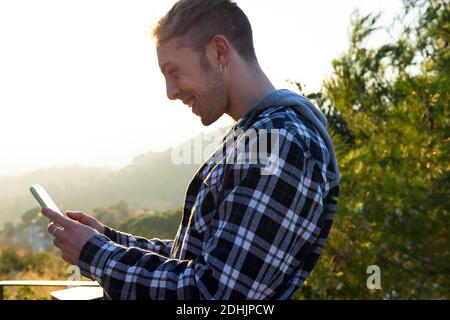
(243, 235)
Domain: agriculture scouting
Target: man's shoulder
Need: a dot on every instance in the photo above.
(299, 136)
(282, 117)
(290, 123)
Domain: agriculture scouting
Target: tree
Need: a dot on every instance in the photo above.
(388, 111)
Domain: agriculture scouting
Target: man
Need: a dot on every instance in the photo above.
(245, 233)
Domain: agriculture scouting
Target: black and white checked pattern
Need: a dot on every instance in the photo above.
(243, 235)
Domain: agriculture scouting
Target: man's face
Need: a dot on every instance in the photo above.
(191, 79)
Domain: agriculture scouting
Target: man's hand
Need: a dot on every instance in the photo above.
(87, 220)
(70, 236)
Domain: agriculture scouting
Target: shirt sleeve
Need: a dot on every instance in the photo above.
(261, 234)
(162, 247)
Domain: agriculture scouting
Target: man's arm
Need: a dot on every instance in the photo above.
(263, 231)
(162, 247)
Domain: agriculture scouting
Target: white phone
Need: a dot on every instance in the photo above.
(43, 198)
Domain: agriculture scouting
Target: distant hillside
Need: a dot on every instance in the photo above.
(30, 231)
(151, 182)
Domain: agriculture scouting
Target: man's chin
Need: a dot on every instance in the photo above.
(207, 121)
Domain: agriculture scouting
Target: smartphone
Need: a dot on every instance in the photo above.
(43, 198)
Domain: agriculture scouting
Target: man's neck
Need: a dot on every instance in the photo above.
(245, 93)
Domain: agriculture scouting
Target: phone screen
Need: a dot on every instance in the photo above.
(43, 198)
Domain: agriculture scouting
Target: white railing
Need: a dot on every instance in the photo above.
(45, 283)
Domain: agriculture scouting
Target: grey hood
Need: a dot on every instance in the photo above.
(302, 106)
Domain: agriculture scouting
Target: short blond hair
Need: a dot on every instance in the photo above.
(198, 21)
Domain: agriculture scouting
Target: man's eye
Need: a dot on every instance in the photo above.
(173, 73)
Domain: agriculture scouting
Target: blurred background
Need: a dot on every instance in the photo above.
(83, 111)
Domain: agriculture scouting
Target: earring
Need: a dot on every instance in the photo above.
(223, 68)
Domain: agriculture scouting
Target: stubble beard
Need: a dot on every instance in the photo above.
(217, 100)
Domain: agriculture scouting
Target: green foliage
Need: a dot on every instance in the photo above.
(113, 215)
(388, 109)
(144, 223)
(15, 260)
(28, 233)
(11, 261)
(24, 293)
(156, 225)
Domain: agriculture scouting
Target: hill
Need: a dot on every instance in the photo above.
(152, 181)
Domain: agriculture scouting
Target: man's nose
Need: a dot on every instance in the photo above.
(172, 90)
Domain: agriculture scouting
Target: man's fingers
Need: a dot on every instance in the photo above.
(57, 243)
(68, 258)
(75, 215)
(56, 218)
(53, 229)
(80, 217)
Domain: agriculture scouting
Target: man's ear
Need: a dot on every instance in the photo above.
(221, 50)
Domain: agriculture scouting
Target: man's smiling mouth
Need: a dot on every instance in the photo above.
(189, 102)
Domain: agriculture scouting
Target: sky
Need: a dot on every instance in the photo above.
(80, 82)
